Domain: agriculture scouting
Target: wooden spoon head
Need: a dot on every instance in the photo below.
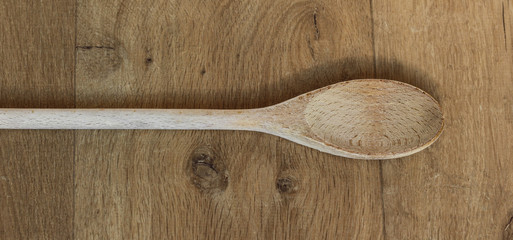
(369, 119)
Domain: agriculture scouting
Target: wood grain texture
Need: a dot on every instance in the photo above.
(461, 187)
(36, 184)
(36, 167)
(218, 184)
(244, 54)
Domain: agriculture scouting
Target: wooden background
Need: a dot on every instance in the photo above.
(245, 54)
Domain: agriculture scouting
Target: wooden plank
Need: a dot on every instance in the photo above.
(36, 184)
(218, 184)
(459, 51)
(36, 167)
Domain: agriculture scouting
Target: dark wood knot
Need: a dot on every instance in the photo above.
(287, 185)
(208, 171)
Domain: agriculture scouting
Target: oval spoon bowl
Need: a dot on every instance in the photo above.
(364, 119)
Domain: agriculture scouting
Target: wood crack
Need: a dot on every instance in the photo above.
(317, 33)
(508, 231)
(91, 47)
(504, 28)
(312, 53)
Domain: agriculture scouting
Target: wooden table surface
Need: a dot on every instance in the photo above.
(113, 184)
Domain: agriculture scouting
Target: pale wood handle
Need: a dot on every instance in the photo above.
(11, 118)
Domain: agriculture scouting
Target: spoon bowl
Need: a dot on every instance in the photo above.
(364, 119)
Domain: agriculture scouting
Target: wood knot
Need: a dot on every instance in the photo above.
(286, 185)
(208, 172)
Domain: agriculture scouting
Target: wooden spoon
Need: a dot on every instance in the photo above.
(363, 119)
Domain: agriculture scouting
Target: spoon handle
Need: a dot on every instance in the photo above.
(19, 118)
